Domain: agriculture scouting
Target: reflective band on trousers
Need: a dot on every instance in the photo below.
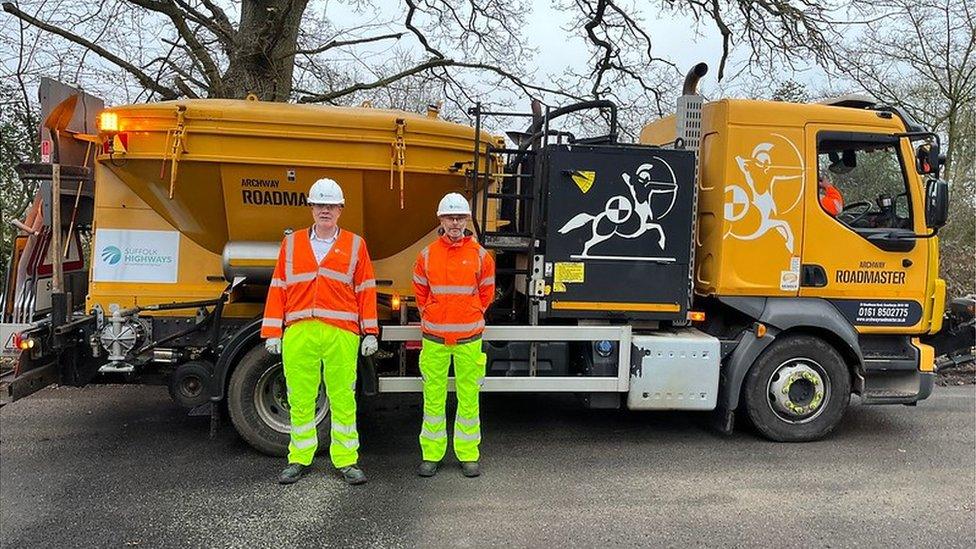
(433, 434)
(344, 429)
(453, 327)
(465, 436)
(467, 422)
(303, 428)
(462, 290)
(433, 419)
(321, 313)
(305, 443)
(351, 444)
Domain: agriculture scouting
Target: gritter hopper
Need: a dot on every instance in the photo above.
(228, 171)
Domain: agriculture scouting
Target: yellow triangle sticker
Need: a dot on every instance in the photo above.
(584, 180)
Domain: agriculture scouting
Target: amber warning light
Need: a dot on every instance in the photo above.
(696, 316)
(108, 122)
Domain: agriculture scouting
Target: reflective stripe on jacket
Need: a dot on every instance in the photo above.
(340, 291)
(454, 283)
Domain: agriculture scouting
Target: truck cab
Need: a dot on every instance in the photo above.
(820, 219)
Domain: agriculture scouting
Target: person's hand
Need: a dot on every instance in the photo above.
(273, 345)
(370, 345)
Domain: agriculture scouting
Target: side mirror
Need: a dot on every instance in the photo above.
(936, 203)
(927, 159)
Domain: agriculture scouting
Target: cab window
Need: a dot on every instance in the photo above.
(861, 181)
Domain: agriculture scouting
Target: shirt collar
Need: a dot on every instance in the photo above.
(313, 236)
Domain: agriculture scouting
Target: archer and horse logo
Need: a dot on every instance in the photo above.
(773, 176)
(650, 200)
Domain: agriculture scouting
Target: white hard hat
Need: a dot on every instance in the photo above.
(453, 204)
(325, 191)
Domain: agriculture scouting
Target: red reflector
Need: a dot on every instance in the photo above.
(412, 345)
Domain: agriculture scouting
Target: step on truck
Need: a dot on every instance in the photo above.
(695, 270)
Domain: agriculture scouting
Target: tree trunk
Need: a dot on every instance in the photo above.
(264, 61)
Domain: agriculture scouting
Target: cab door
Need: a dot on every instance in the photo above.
(862, 255)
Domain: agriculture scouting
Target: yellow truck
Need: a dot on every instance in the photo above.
(699, 269)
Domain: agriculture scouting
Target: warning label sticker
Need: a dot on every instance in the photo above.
(567, 272)
(570, 271)
(584, 180)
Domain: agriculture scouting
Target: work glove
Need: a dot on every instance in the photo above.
(273, 345)
(369, 346)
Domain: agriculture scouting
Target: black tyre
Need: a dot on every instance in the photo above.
(257, 400)
(189, 384)
(797, 390)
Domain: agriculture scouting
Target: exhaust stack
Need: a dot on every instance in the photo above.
(688, 112)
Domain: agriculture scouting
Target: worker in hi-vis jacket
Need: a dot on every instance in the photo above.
(322, 298)
(454, 282)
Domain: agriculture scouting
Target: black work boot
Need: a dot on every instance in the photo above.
(470, 469)
(428, 468)
(353, 475)
(291, 474)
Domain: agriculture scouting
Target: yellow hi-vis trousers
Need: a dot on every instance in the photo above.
(469, 373)
(311, 350)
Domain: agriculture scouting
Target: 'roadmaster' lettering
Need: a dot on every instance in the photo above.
(257, 197)
(869, 277)
(272, 198)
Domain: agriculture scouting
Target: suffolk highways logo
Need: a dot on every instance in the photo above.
(111, 255)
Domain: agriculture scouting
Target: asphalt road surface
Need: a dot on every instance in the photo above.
(122, 466)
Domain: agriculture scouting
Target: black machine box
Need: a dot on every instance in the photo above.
(617, 231)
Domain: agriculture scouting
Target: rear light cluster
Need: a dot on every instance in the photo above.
(23, 342)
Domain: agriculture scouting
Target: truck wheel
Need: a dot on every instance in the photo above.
(797, 390)
(257, 399)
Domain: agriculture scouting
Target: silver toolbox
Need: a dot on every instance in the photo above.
(674, 370)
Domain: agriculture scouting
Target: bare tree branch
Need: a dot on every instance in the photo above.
(144, 79)
(168, 8)
(340, 43)
(411, 10)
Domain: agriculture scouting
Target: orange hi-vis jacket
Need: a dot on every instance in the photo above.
(340, 291)
(831, 200)
(454, 283)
